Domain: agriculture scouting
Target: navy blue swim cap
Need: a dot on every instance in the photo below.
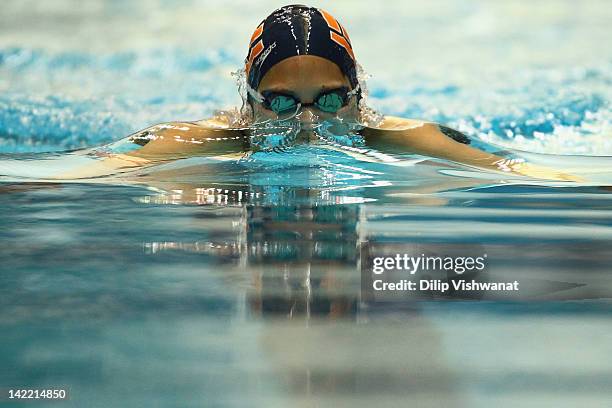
(299, 30)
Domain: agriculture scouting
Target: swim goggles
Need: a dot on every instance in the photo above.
(329, 100)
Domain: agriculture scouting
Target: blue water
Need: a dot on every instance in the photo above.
(199, 282)
(127, 91)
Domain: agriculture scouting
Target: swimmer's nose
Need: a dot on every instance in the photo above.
(307, 117)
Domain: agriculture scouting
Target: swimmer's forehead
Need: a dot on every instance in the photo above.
(290, 90)
(304, 75)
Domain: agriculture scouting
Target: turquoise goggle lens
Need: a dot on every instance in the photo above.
(282, 104)
(329, 102)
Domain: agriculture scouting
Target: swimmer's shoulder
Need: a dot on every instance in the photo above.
(191, 128)
(215, 122)
(420, 128)
(398, 123)
(210, 136)
(217, 125)
(395, 126)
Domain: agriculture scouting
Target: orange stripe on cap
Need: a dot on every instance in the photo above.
(256, 33)
(330, 20)
(255, 51)
(342, 41)
(345, 33)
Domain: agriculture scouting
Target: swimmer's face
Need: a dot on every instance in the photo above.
(304, 77)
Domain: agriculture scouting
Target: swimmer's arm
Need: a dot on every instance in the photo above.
(431, 139)
(209, 137)
(165, 142)
(425, 138)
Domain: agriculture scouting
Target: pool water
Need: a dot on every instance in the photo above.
(200, 282)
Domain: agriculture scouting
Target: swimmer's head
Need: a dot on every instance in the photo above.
(305, 55)
(298, 30)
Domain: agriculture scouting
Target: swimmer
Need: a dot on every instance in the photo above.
(301, 69)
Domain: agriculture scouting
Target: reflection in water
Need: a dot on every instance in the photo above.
(260, 261)
(303, 260)
(303, 265)
(328, 342)
(240, 287)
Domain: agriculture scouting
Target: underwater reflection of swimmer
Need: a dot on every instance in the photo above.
(301, 252)
(303, 261)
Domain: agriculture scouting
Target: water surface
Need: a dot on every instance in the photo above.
(239, 283)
